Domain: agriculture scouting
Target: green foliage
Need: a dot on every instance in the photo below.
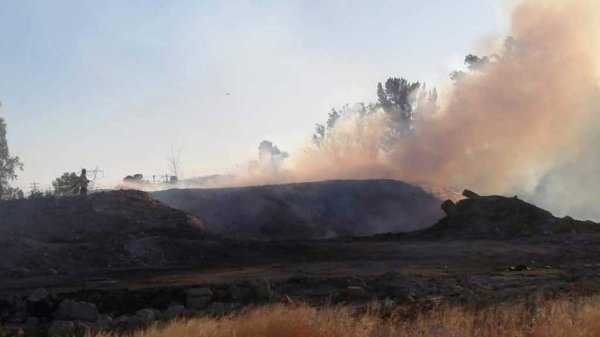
(476, 63)
(9, 166)
(323, 132)
(66, 183)
(398, 98)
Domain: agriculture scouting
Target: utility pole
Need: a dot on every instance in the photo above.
(94, 175)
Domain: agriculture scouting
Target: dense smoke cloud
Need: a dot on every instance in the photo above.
(527, 122)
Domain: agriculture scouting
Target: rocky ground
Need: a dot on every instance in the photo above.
(486, 250)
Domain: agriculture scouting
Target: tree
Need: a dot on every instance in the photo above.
(9, 166)
(173, 162)
(324, 131)
(397, 99)
(476, 63)
(65, 183)
(270, 155)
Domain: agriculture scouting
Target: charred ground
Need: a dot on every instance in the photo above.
(123, 251)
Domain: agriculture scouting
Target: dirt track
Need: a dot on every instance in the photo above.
(560, 259)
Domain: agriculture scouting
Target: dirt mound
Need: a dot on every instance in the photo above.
(310, 210)
(102, 230)
(503, 217)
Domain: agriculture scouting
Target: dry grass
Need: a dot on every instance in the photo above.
(552, 319)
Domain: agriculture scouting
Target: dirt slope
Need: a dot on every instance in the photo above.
(503, 217)
(103, 230)
(310, 210)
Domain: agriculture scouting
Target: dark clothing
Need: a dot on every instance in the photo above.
(83, 184)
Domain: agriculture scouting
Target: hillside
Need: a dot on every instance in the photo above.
(309, 210)
(102, 230)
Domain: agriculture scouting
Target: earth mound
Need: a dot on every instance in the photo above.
(502, 217)
(309, 210)
(102, 230)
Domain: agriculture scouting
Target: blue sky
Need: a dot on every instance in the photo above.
(117, 83)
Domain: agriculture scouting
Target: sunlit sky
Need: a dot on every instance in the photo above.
(116, 84)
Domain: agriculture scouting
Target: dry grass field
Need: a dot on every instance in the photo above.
(564, 318)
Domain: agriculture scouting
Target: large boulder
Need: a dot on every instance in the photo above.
(74, 310)
(61, 329)
(173, 311)
(198, 298)
(261, 290)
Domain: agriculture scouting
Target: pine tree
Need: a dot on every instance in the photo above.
(9, 166)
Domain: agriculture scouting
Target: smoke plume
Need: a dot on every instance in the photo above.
(526, 123)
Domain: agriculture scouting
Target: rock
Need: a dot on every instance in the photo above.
(61, 329)
(199, 292)
(237, 294)
(261, 290)
(521, 267)
(129, 322)
(449, 207)
(40, 304)
(355, 292)
(103, 323)
(13, 331)
(173, 311)
(82, 328)
(73, 310)
(32, 326)
(13, 300)
(148, 315)
(217, 308)
(20, 309)
(198, 298)
(40, 294)
(470, 194)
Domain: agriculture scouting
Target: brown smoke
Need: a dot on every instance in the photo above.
(525, 123)
(501, 129)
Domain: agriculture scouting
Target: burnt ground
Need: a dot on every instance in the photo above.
(144, 254)
(398, 269)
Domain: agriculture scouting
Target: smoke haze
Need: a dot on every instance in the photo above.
(527, 123)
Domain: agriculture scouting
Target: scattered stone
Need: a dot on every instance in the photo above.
(148, 315)
(521, 267)
(173, 311)
(198, 298)
(217, 308)
(40, 294)
(262, 290)
(73, 310)
(61, 329)
(103, 323)
(237, 294)
(13, 331)
(32, 326)
(39, 304)
(356, 292)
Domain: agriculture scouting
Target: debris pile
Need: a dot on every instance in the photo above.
(310, 210)
(502, 217)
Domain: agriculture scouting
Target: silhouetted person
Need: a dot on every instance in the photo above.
(83, 182)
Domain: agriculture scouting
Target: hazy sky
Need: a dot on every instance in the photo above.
(116, 83)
